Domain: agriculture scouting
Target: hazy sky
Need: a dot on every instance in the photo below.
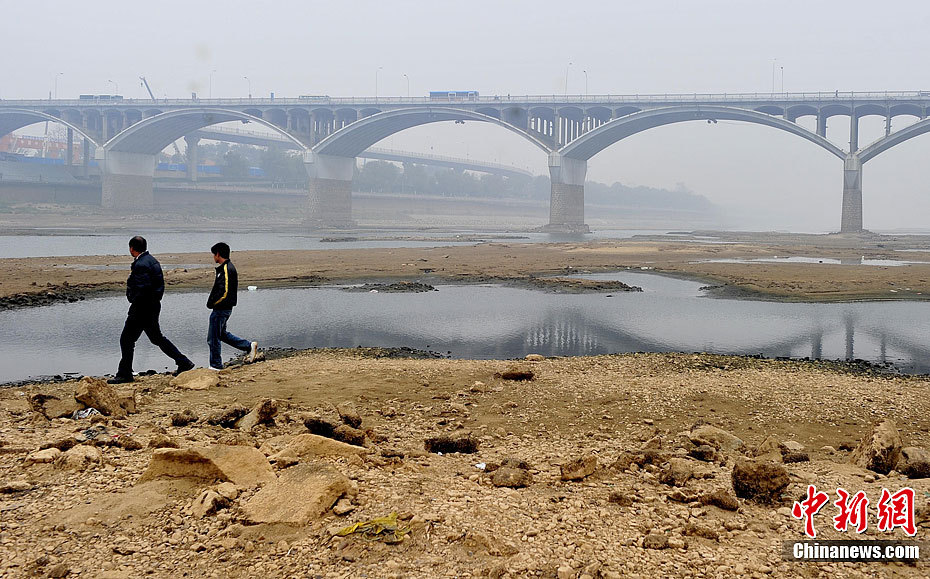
(768, 179)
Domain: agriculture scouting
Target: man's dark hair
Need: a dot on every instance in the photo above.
(220, 249)
(138, 243)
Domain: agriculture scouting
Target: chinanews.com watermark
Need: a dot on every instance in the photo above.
(855, 551)
(892, 511)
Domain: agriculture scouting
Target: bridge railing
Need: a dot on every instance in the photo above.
(649, 98)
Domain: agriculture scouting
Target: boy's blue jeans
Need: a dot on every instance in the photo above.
(217, 333)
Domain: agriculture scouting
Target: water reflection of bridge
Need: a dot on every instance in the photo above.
(572, 332)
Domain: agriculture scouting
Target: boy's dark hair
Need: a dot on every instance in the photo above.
(221, 249)
(138, 243)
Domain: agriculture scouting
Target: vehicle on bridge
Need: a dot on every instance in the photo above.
(453, 95)
(100, 97)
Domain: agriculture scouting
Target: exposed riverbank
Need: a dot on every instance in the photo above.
(38, 281)
(93, 516)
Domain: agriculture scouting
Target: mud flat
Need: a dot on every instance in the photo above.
(28, 281)
(606, 466)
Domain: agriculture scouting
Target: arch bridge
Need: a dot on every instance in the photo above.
(127, 134)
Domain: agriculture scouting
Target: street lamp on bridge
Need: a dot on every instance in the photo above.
(115, 86)
(250, 85)
(566, 77)
(585, 82)
(408, 86)
(211, 82)
(56, 83)
(377, 70)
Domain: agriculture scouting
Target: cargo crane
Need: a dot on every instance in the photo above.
(145, 83)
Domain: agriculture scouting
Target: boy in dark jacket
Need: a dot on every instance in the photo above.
(144, 289)
(221, 301)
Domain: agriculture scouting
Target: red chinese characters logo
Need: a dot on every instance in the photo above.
(893, 510)
(809, 507)
(897, 510)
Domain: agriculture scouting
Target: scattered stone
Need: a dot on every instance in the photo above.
(693, 529)
(262, 413)
(198, 379)
(18, 486)
(184, 418)
(318, 486)
(914, 462)
(791, 456)
(771, 450)
(655, 541)
(621, 499)
(343, 507)
(61, 444)
(759, 480)
(127, 442)
(463, 442)
(44, 456)
(51, 406)
(58, 571)
(517, 374)
(227, 490)
(579, 468)
(722, 499)
(96, 393)
(243, 465)
(349, 414)
(311, 446)
(679, 471)
(229, 417)
(534, 358)
(79, 458)
(716, 437)
(208, 503)
(349, 435)
(508, 476)
(880, 449)
(162, 441)
(704, 452)
(793, 446)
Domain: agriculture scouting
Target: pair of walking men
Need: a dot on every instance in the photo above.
(144, 290)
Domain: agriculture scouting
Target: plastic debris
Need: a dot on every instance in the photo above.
(481, 466)
(252, 288)
(85, 413)
(385, 529)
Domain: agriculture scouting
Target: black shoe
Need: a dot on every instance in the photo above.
(120, 379)
(184, 367)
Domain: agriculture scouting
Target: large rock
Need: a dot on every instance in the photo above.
(760, 480)
(243, 465)
(464, 442)
(716, 437)
(227, 418)
(301, 494)
(43, 456)
(349, 414)
(51, 406)
(508, 476)
(199, 379)
(880, 450)
(679, 472)
(96, 393)
(262, 413)
(914, 462)
(579, 468)
(312, 445)
(79, 458)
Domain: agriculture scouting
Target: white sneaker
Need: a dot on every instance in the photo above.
(215, 369)
(250, 357)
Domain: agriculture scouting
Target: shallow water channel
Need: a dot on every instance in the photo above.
(476, 321)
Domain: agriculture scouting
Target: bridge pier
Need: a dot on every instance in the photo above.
(193, 157)
(566, 200)
(126, 180)
(851, 221)
(330, 190)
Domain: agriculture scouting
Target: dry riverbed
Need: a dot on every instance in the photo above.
(648, 500)
(39, 281)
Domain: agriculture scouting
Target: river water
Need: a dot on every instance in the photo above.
(476, 321)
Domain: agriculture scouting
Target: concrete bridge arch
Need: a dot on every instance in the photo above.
(568, 166)
(128, 160)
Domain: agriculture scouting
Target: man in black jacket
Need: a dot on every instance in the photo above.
(144, 289)
(221, 301)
